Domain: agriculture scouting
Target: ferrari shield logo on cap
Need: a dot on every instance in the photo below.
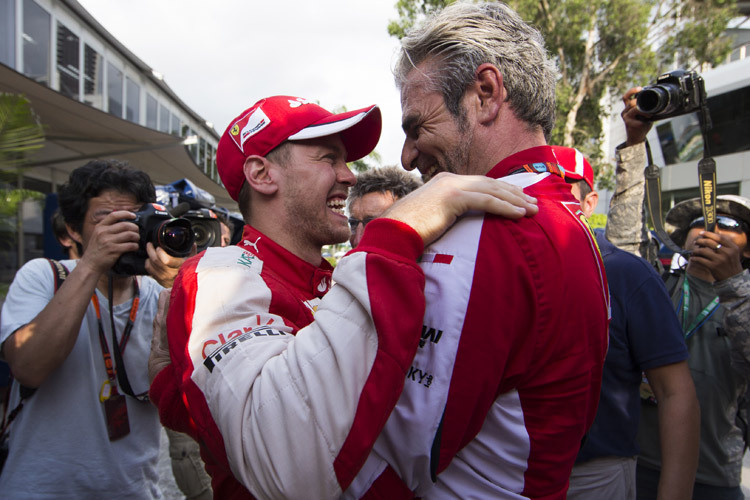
(248, 126)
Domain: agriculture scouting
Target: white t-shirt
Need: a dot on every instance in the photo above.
(59, 446)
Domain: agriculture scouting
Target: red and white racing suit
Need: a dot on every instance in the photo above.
(507, 377)
(503, 387)
(285, 391)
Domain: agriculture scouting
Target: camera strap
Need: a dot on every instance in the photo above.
(707, 172)
(652, 173)
(706, 185)
(116, 373)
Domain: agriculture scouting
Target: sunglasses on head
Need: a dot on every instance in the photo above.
(724, 222)
(353, 223)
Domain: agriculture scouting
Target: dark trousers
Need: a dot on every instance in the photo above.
(647, 482)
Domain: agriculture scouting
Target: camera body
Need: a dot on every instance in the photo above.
(155, 224)
(675, 93)
(206, 228)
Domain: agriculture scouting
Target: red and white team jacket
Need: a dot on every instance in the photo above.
(506, 380)
(285, 391)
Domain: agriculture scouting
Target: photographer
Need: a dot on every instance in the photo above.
(712, 299)
(79, 435)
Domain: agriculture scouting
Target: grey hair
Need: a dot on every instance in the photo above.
(463, 36)
(393, 180)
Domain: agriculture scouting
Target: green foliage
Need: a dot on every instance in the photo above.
(411, 11)
(597, 221)
(21, 135)
(604, 47)
(20, 131)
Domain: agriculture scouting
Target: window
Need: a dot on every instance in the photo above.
(163, 119)
(93, 77)
(152, 110)
(133, 111)
(68, 62)
(114, 90)
(8, 32)
(202, 154)
(730, 116)
(36, 42)
(681, 139)
(176, 125)
(209, 155)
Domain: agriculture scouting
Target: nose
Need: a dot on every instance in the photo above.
(357, 235)
(345, 176)
(409, 154)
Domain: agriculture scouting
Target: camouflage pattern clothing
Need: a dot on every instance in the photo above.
(626, 220)
(719, 364)
(719, 349)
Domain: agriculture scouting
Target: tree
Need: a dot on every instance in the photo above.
(604, 47)
(21, 134)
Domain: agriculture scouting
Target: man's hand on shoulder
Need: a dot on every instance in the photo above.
(434, 207)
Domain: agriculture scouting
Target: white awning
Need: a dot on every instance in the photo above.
(76, 132)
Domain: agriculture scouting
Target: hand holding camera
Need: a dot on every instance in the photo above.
(113, 236)
(675, 93)
(165, 241)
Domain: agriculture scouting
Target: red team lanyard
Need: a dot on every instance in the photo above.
(109, 387)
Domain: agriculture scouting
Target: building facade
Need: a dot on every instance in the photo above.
(94, 99)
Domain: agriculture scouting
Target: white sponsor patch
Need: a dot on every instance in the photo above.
(255, 123)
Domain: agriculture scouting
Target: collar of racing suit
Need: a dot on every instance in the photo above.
(309, 279)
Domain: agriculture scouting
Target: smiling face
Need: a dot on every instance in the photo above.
(436, 140)
(314, 183)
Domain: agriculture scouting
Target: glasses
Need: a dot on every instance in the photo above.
(353, 223)
(723, 221)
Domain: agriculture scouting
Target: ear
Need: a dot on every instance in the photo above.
(74, 235)
(489, 91)
(258, 173)
(589, 203)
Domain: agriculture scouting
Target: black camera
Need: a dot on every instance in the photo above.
(155, 224)
(206, 228)
(675, 93)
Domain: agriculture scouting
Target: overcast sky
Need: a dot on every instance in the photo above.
(221, 56)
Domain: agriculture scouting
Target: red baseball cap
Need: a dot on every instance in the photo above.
(576, 165)
(273, 120)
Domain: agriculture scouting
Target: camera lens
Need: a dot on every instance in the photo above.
(661, 99)
(652, 100)
(204, 236)
(175, 237)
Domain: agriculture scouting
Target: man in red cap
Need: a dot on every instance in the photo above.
(287, 391)
(644, 336)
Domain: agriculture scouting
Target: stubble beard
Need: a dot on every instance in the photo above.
(310, 228)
